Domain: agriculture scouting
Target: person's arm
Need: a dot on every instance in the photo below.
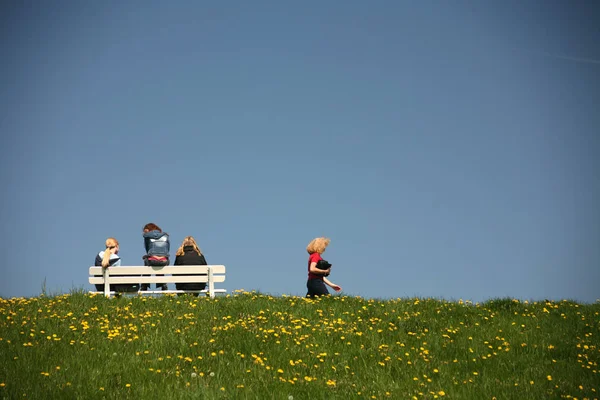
(332, 285)
(177, 260)
(146, 242)
(145, 256)
(314, 270)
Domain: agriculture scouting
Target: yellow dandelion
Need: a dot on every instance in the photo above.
(549, 377)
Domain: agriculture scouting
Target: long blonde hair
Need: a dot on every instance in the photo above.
(111, 243)
(188, 241)
(318, 245)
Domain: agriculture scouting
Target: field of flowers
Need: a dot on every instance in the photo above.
(250, 345)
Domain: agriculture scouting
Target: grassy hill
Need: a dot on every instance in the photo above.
(250, 345)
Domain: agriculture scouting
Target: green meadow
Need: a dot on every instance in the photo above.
(249, 345)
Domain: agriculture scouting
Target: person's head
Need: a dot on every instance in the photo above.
(151, 227)
(318, 245)
(189, 241)
(112, 247)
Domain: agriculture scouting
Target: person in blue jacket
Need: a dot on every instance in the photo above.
(157, 247)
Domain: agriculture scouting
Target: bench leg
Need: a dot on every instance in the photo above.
(211, 283)
(106, 284)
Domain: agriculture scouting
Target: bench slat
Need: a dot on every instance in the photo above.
(155, 279)
(169, 269)
(164, 291)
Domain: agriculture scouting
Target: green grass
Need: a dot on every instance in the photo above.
(250, 345)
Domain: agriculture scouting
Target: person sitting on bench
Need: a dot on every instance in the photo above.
(190, 254)
(109, 258)
(157, 247)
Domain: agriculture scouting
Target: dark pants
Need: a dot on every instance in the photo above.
(146, 286)
(125, 287)
(122, 287)
(316, 287)
(190, 286)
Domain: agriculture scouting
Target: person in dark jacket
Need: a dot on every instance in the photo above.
(109, 257)
(157, 247)
(190, 254)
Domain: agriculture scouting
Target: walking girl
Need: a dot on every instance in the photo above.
(316, 276)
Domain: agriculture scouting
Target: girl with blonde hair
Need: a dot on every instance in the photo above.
(109, 257)
(316, 276)
(190, 254)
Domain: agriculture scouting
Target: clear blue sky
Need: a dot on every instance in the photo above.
(448, 149)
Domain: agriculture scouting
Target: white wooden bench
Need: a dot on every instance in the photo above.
(146, 275)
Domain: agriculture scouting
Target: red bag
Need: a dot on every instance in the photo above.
(158, 261)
